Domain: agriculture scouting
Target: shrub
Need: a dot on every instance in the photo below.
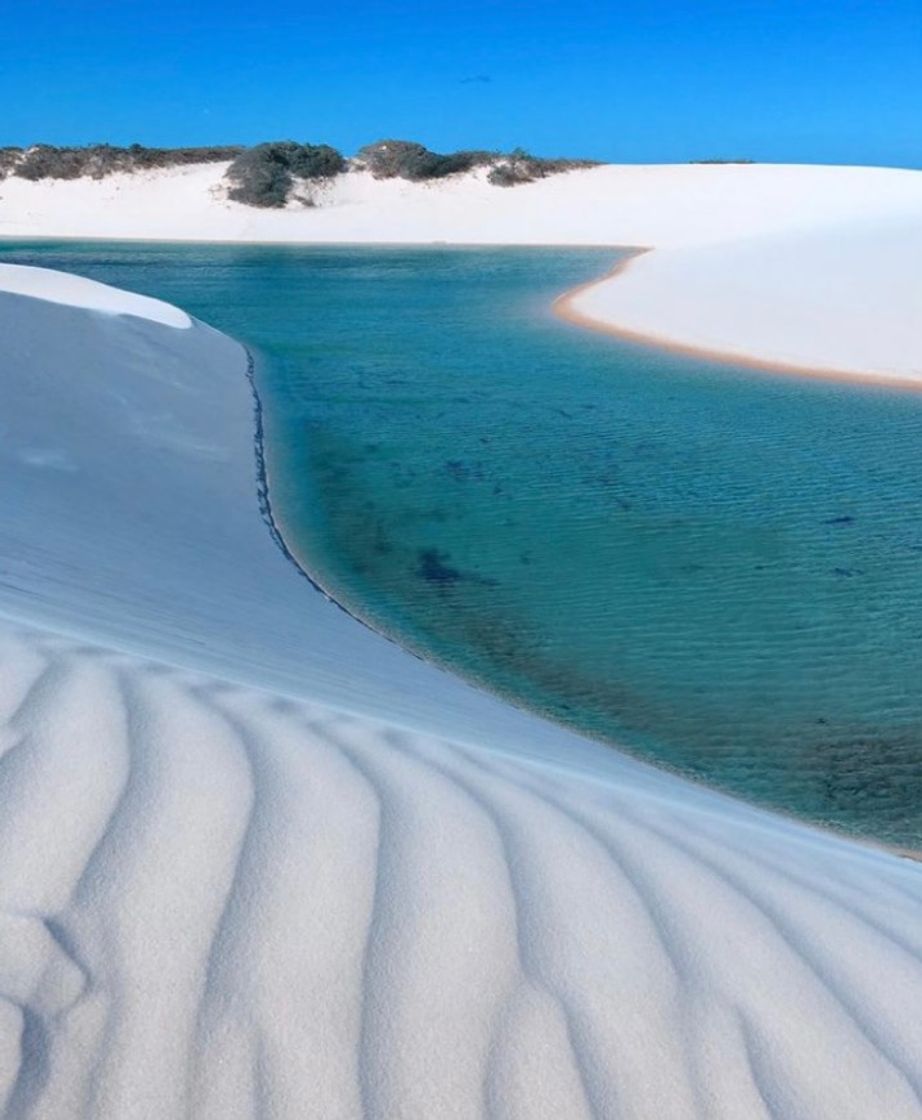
(264, 175)
(405, 159)
(467, 160)
(9, 157)
(44, 161)
(316, 161)
(260, 176)
(520, 167)
(141, 157)
(509, 174)
(393, 159)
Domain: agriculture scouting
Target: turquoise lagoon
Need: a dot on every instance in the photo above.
(716, 568)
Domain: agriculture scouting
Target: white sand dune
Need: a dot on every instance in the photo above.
(78, 291)
(811, 267)
(256, 861)
(843, 299)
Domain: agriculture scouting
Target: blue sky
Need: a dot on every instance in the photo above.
(675, 80)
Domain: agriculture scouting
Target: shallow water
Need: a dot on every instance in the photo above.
(718, 568)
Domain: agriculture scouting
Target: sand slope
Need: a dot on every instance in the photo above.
(256, 861)
(222, 903)
(842, 300)
(667, 206)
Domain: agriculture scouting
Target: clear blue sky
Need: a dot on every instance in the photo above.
(675, 80)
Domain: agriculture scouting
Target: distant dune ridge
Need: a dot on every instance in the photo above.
(816, 268)
(257, 861)
(279, 172)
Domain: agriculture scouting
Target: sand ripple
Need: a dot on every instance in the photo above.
(221, 903)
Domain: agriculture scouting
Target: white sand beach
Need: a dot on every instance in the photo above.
(811, 267)
(257, 861)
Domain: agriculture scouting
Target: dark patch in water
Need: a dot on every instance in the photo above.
(382, 545)
(867, 775)
(458, 470)
(462, 472)
(433, 569)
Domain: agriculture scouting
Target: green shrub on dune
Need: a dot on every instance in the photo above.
(264, 175)
(406, 159)
(9, 157)
(521, 167)
(95, 161)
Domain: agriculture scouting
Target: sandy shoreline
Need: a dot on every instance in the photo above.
(566, 307)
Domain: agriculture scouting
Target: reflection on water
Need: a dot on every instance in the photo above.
(718, 568)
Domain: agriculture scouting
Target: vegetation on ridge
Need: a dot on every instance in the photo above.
(405, 159)
(265, 175)
(521, 167)
(279, 172)
(95, 161)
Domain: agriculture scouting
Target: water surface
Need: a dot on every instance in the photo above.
(717, 568)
